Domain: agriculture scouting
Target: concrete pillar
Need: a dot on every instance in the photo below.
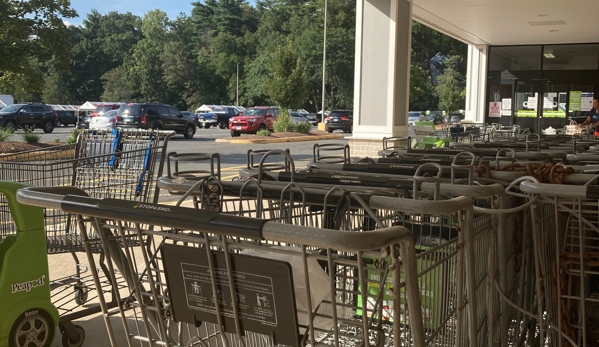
(476, 83)
(382, 72)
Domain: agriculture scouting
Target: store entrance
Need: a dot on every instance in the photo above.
(540, 104)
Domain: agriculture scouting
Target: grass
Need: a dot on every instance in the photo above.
(4, 134)
(263, 132)
(30, 137)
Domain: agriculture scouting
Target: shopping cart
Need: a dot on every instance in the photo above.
(28, 317)
(119, 164)
(210, 279)
(565, 234)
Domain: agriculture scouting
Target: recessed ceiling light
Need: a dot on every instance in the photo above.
(553, 31)
(543, 15)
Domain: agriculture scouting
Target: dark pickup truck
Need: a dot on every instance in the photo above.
(223, 114)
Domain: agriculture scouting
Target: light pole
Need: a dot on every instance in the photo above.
(237, 93)
(324, 57)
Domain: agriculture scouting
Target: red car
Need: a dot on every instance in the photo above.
(254, 119)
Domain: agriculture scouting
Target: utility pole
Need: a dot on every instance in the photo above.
(324, 58)
(237, 104)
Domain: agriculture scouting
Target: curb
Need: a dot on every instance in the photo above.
(279, 140)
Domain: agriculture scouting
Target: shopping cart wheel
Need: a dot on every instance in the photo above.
(81, 293)
(74, 341)
(33, 328)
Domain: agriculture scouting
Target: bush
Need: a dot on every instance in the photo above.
(303, 127)
(4, 134)
(284, 122)
(263, 132)
(30, 137)
(73, 137)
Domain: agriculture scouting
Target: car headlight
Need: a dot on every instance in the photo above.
(252, 120)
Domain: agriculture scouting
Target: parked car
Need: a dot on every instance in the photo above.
(223, 114)
(66, 117)
(32, 115)
(312, 117)
(206, 120)
(415, 116)
(147, 115)
(105, 121)
(340, 119)
(298, 118)
(254, 119)
(100, 109)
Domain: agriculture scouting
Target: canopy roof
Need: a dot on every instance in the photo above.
(511, 22)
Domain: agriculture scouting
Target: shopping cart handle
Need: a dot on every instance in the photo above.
(145, 213)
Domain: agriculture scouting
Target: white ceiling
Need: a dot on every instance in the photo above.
(506, 22)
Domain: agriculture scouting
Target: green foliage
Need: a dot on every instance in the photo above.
(303, 127)
(286, 85)
(284, 122)
(451, 87)
(73, 137)
(263, 132)
(193, 59)
(33, 32)
(56, 139)
(30, 137)
(4, 134)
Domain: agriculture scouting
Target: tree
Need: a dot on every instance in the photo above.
(33, 32)
(452, 87)
(286, 85)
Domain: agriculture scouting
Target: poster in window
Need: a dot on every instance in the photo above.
(494, 109)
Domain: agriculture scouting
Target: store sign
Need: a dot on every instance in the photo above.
(494, 109)
(575, 98)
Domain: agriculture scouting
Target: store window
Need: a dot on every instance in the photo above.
(571, 57)
(515, 58)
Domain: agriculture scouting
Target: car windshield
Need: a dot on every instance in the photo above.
(102, 108)
(110, 113)
(338, 114)
(254, 112)
(11, 108)
(219, 109)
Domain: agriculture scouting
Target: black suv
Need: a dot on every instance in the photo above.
(155, 116)
(35, 115)
(340, 119)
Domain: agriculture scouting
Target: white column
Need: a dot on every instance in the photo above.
(382, 72)
(476, 83)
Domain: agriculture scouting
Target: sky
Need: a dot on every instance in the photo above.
(139, 8)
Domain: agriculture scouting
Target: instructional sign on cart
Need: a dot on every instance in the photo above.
(260, 289)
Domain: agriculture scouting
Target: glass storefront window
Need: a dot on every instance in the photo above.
(571, 57)
(515, 58)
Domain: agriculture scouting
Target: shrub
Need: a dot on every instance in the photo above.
(56, 139)
(4, 134)
(303, 127)
(263, 132)
(30, 137)
(284, 122)
(73, 137)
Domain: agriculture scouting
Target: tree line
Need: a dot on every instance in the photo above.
(195, 59)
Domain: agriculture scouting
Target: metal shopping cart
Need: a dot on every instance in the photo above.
(565, 234)
(120, 164)
(210, 279)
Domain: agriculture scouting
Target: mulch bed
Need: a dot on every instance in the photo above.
(15, 147)
(281, 135)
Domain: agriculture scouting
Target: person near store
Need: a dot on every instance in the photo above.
(593, 118)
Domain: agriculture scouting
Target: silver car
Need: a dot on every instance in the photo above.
(105, 121)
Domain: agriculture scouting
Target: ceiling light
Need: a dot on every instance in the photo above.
(553, 31)
(543, 15)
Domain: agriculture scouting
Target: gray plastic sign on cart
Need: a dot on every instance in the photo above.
(263, 289)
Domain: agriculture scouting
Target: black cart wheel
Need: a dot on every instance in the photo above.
(33, 328)
(81, 294)
(74, 341)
